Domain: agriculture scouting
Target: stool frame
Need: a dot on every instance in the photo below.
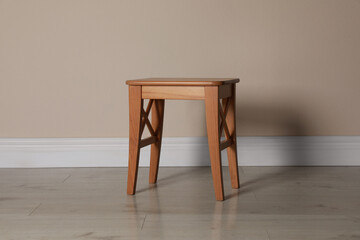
(220, 104)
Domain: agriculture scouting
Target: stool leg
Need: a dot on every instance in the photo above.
(231, 150)
(157, 115)
(135, 108)
(212, 123)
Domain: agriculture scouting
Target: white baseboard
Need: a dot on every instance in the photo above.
(189, 151)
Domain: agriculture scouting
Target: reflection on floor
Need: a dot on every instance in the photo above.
(91, 203)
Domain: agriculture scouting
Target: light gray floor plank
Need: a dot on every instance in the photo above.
(91, 203)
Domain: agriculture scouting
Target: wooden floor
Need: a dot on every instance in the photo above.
(91, 203)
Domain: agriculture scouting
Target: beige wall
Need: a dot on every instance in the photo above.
(63, 64)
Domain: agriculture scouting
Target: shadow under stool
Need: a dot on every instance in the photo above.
(219, 95)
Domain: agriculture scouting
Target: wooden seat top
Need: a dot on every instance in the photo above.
(182, 81)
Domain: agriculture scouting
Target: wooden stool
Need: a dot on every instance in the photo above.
(219, 117)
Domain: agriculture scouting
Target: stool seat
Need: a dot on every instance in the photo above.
(219, 96)
(182, 81)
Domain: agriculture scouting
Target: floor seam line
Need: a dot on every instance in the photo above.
(142, 225)
(254, 195)
(268, 235)
(66, 178)
(34, 209)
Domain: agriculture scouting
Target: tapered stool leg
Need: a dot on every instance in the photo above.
(157, 116)
(135, 109)
(231, 150)
(212, 123)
